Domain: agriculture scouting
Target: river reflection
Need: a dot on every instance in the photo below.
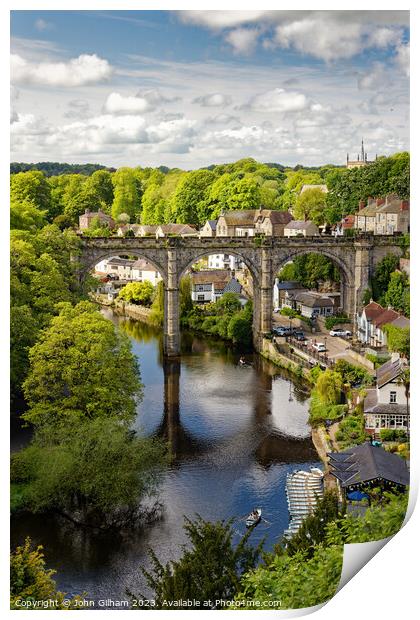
(234, 434)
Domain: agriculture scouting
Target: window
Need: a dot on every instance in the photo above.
(393, 397)
(200, 297)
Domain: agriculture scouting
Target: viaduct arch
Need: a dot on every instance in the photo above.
(355, 257)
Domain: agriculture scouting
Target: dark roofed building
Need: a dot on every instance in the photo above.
(297, 228)
(368, 465)
(388, 405)
(312, 304)
(209, 229)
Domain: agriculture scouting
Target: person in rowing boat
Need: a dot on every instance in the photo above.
(242, 361)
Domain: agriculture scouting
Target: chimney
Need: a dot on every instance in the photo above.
(362, 204)
(380, 202)
(405, 205)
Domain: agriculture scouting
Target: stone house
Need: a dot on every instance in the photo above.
(236, 224)
(383, 216)
(300, 228)
(387, 406)
(209, 229)
(86, 219)
(270, 222)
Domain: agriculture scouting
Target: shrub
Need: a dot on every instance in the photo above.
(330, 321)
(391, 434)
(289, 312)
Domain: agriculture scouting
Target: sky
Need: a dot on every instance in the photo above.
(191, 88)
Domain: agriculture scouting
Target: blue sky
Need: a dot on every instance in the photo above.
(190, 88)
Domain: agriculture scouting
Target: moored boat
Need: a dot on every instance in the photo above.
(254, 517)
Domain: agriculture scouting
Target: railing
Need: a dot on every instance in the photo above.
(313, 353)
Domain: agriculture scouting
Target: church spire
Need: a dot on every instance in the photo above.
(363, 151)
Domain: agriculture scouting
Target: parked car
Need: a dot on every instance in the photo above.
(299, 334)
(282, 331)
(343, 333)
(319, 346)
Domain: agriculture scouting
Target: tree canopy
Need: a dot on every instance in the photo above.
(81, 368)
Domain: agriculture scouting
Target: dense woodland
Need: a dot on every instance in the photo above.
(159, 195)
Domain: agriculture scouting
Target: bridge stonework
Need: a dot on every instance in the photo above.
(356, 259)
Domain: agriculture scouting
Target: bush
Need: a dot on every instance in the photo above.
(351, 431)
(320, 412)
(352, 374)
(140, 293)
(289, 312)
(330, 321)
(391, 434)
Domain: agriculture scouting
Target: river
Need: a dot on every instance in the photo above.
(234, 433)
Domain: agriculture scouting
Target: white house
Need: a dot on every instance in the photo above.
(312, 304)
(388, 405)
(224, 261)
(284, 291)
(298, 228)
(144, 271)
(372, 320)
(209, 286)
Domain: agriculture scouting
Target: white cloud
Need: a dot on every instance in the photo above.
(243, 40)
(403, 58)
(221, 19)
(374, 79)
(385, 37)
(86, 69)
(117, 104)
(278, 100)
(42, 25)
(213, 100)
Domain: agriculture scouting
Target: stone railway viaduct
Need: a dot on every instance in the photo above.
(356, 259)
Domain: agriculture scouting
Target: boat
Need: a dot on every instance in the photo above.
(254, 517)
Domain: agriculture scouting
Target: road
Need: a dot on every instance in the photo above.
(335, 346)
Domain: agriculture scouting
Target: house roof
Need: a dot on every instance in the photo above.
(389, 371)
(290, 285)
(401, 321)
(210, 276)
(372, 310)
(125, 262)
(212, 224)
(148, 228)
(275, 217)
(369, 210)
(366, 462)
(143, 265)
(300, 225)
(313, 300)
(392, 205)
(371, 405)
(177, 229)
(239, 218)
(233, 286)
(387, 316)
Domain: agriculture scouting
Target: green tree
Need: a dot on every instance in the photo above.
(24, 215)
(240, 329)
(137, 293)
(81, 367)
(31, 581)
(31, 187)
(310, 205)
(99, 186)
(244, 194)
(74, 199)
(398, 292)
(189, 201)
(156, 315)
(398, 339)
(94, 471)
(328, 387)
(382, 275)
(127, 194)
(228, 303)
(185, 299)
(208, 571)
